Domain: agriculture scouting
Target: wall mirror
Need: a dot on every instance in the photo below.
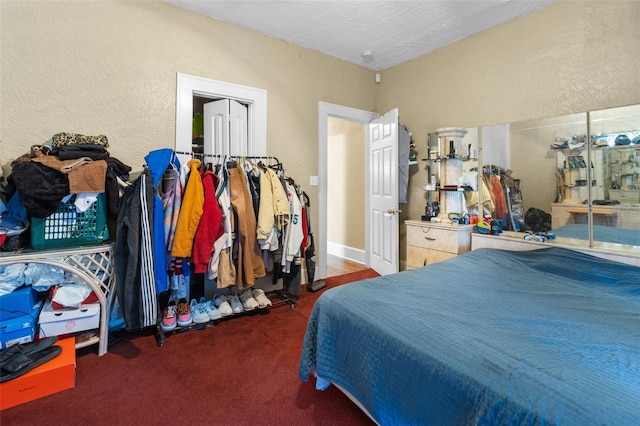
(581, 169)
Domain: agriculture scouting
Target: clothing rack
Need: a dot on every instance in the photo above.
(281, 296)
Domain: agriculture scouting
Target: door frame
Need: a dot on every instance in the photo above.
(326, 110)
(189, 86)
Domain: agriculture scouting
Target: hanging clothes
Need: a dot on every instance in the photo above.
(210, 227)
(221, 266)
(291, 261)
(404, 148)
(249, 264)
(180, 273)
(274, 204)
(171, 203)
(294, 235)
(190, 212)
(253, 183)
(133, 259)
(158, 162)
(497, 195)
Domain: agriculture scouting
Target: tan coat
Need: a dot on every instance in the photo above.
(273, 203)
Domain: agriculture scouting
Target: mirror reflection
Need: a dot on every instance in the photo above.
(555, 178)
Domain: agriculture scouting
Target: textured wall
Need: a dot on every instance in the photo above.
(572, 56)
(102, 67)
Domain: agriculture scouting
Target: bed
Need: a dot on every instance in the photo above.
(601, 233)
(550, 336)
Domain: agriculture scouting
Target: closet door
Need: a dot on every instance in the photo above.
(238, 129)
(225, 128)
(216, 127)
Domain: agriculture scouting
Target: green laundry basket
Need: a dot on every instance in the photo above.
(67, 227)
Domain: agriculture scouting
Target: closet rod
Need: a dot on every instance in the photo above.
(231, 157)
(191, 154)
(257, 157)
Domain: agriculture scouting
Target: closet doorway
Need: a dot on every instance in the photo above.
(190, 89)
(220, 127)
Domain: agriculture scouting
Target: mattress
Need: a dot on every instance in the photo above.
(550, 336)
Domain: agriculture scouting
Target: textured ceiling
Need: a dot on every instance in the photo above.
(394, 30)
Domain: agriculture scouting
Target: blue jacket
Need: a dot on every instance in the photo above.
(158, 161)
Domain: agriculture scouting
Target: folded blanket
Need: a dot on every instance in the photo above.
(62, 139)
(68, 152)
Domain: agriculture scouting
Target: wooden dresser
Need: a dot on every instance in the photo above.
(619, 215)
(431, 242)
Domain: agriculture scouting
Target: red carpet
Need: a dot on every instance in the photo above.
(243, 371)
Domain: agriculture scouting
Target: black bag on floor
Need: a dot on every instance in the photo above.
(536, 220)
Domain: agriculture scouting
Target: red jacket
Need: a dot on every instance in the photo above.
(211, 225)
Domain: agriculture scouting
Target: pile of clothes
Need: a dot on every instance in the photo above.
(67, 164)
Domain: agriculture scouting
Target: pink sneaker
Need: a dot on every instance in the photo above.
(184, 313)
(169, 319)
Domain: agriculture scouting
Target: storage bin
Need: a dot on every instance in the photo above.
(67, 227)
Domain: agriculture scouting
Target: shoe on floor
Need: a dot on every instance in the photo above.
(198, 314)
(184, 313)
(235, 303)
(26, 349)
(169, 317)
(210, 309)
(223, 306)
(21, 364)
(261, 298)
(248, 301)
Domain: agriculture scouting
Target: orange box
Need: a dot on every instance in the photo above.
(49, 378)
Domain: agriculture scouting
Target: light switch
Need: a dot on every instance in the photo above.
(313, 180)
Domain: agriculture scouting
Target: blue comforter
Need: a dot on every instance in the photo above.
(549, 336)
(607, 234)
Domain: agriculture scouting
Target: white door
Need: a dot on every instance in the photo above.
(382, 213)
(225, 128)
(238, 129)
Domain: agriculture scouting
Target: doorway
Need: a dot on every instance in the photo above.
(326, 110)
(346, 189)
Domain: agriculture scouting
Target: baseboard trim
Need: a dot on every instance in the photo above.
(340, 250)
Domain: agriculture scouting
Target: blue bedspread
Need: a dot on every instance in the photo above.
(607, 234)
(549, 336)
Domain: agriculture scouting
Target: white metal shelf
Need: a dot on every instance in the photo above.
(92, 264)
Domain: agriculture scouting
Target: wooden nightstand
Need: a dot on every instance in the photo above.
(431, 242)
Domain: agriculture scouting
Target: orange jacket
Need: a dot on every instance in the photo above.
(190, 212)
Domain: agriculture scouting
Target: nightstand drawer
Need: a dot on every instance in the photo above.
(432, 238)
(625, 195)
(418, 257)
(429, 242)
